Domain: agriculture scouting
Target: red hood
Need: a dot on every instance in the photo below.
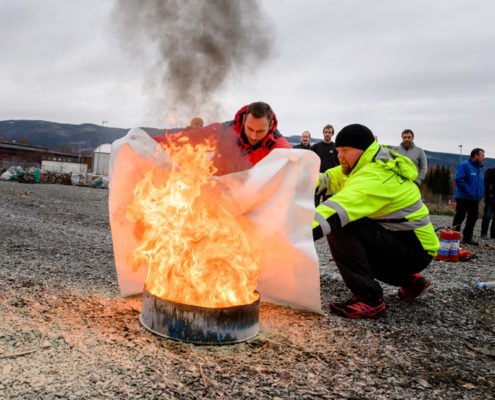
(239, 122)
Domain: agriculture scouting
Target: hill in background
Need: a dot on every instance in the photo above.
(85, 138)
(76, 138)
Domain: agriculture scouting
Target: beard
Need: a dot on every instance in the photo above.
(346, 169)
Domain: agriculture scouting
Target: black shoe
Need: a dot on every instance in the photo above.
(358, 308)
(470, 241)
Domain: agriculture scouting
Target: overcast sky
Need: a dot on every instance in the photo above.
(388, 64)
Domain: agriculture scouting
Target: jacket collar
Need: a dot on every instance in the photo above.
(366, 157)
(475, 164)
(389, 158)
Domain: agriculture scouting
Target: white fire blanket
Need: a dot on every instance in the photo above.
(276, 195)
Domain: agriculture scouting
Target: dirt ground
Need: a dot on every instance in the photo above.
(66, 333)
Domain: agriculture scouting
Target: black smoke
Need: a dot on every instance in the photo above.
(192, 49)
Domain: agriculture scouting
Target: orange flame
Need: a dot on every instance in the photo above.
(196, 251)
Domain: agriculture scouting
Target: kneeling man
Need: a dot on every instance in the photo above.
(377, 226)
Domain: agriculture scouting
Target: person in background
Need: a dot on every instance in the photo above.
(488, 213)
(469, 190)
(409, 149)
(195, 123)
(328, 156)
(376, 223)
(305, 141)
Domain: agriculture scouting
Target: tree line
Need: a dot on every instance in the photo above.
(439, 180)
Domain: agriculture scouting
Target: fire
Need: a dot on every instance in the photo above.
(196, 251)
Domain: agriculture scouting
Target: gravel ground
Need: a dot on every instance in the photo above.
(66, 333)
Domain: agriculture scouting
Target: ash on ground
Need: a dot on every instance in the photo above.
(66, 333)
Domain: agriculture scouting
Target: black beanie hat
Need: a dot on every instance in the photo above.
(355, 135)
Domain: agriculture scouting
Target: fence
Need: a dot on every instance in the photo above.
(442, 204)
(64, 167)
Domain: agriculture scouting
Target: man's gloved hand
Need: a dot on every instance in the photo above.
(322, 183)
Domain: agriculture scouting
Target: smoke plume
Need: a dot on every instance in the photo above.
(192, 49)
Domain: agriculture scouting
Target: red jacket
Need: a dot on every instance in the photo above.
(233, 153)
(272, 140)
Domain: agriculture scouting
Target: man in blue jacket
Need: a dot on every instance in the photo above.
(469, 190)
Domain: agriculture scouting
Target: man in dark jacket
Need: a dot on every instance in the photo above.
(305, 141)
(488, 213)
(469, 191)
(328, 156)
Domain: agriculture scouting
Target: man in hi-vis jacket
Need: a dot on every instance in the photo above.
(377, 226)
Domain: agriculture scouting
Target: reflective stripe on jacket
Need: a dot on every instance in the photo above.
(380, 187)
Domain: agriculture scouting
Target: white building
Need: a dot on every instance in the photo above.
(101, 159)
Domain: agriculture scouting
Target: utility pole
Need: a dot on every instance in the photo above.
(460, 153)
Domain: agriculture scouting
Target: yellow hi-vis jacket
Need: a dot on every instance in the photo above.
(380, 187)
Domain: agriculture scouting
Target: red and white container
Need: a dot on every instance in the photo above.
(445, 242)
(454, 246)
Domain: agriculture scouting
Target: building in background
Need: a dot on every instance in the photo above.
(101, 159)
(15, 154)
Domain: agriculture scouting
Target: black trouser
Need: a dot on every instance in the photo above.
(364, 251)
(488, 215)
(470, 207)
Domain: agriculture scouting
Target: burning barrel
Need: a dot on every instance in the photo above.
(202, 266)
(199, 325)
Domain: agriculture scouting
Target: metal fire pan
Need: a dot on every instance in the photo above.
(199, 325)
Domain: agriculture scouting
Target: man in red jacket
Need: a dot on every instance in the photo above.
(242, 142)
(256, 128)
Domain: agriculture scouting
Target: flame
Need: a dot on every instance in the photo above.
(196, 251)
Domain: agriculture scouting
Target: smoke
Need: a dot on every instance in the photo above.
(192, 49)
